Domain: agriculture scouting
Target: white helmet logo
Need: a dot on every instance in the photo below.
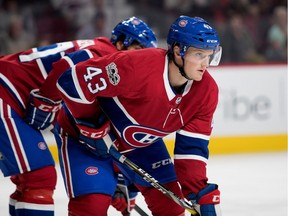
(207, 26)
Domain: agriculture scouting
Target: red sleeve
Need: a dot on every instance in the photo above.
(105, 77)
(97, 77)
(192, 141)
(191, 175)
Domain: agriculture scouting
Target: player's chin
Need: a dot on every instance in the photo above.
(198, 78)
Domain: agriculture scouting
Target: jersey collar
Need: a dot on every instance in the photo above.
(168, 88)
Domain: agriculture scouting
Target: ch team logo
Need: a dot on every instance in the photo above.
(139, 136)
(91, 170)
(112, 72)
(42, 146)
(182, 23)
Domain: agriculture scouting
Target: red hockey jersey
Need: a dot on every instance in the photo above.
(133, 89)
(27, 70)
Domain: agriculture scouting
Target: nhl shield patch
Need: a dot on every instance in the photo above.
(112, 72)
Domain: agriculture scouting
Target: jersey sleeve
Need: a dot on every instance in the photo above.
(49, 89)
(102, 77)
(191, 147)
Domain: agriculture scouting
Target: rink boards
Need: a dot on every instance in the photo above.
(252, 111)
(229, 145)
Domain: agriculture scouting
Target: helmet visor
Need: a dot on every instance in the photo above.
(216, 57)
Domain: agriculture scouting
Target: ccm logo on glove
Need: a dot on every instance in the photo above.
(216, 199)
(46, 107)
(95, 133)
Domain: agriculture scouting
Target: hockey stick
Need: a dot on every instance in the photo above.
(140, 211)
(147, 177)
(137, 208)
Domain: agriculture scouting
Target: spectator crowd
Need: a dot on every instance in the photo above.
(251, 31)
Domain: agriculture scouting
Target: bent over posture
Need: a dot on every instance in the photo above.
(29, 102)
(147, 94)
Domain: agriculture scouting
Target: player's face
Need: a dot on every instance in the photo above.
(196, 62)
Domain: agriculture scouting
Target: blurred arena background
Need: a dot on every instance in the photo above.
(252, 77)
(251, 31)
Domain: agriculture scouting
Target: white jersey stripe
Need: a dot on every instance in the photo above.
(16, 134)
(40, 64)
(77, 86)
(43, 207)
(13, 89)
(192, 157)
(194, 135)
(40, 54)
(168, 88)
(15, 130)
(187, 87)
(124, 110)
(66, 165)
(9, 135)
(69, 61)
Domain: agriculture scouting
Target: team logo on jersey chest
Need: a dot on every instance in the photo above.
(112, 72)
(139, 136)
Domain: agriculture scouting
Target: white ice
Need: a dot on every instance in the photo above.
(250, 184)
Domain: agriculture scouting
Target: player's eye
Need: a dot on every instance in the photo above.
(200, 55)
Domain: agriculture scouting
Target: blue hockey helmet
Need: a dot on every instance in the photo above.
(193, 32)
(134, 29)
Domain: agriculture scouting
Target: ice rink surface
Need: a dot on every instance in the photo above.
(250, 184)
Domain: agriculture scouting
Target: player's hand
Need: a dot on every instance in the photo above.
(207, 201)
(123, 199)
(97, 139)
(41, 111)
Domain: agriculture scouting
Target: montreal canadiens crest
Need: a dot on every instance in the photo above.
(139, 136)
(182, 23)
(112, 72)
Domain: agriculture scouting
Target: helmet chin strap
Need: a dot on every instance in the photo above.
(181, 68)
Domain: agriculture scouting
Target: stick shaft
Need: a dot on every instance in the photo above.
(140, 211)
(147, 177)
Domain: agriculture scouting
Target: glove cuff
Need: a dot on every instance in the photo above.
(210, 198)
(208, 195)
(207, 200)
(93, 133)
(210, 208)
(43, 103)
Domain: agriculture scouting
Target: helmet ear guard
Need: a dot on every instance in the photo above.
(134, 29)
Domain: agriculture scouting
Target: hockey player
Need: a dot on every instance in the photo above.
(25, 112)
(146, 94)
